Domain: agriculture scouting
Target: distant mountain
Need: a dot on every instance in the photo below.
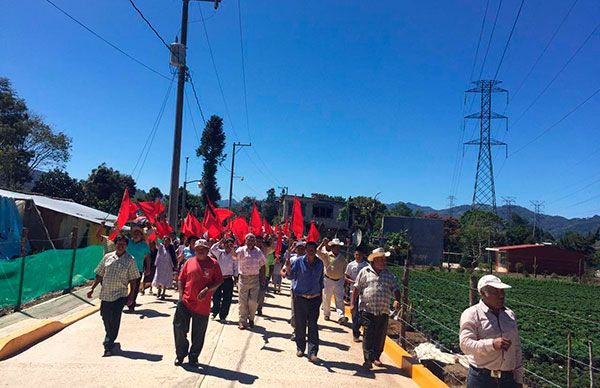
(556, 225)
(225, 203)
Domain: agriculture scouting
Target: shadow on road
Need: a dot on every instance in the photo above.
(133, 355)
(225, 374)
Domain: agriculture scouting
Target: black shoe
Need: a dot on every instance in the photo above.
(251, 323)
(178, 362)
(107, 353)
(293, 337)
(259, 312)
(193, 362)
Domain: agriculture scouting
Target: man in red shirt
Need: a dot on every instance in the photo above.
(198, 279)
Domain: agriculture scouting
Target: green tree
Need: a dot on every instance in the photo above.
(58, 183)
(105, 186)
(154, 193)
(193, 203)
(400, 209)
(366, 214)
(270, 206)
(398, 244)
(580, 243)
(26, 142)
(479, 229)
(211, 149)
(244, 207)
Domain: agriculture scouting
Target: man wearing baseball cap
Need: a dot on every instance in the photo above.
(489, 336)
(199, 277)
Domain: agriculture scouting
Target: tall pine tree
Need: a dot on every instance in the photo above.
(211, 150)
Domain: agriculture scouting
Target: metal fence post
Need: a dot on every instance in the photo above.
(24, 235)
(74, 234)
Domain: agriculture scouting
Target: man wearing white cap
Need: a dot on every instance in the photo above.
(335, 265)
(489, 336)
(251, 268)
(374, 287)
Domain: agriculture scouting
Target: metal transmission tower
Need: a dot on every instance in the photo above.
(451, 199)
(537, 206)
(508, 203)
(484, 194)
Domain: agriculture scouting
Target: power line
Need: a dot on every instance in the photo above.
(149, 25)
(554, 34)
(509, 37)
(114, 46)
(196, 97)
(243, 68)
(535, 100)
(487, 50)
(479, 40)
(154, 126)
(189, 109)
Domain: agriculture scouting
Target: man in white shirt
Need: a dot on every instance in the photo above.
(221, 301)
(489, 336)
(334, 264)
(251, 267)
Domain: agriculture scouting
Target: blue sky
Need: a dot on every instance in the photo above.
(344, 97)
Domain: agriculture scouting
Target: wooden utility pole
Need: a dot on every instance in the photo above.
(569, 361)
(74, 237)
(173, 215)
(472, 289)
(22, 273)
(240, 145)
(404, 307)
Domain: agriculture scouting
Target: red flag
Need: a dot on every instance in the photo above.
(126, 212)
(286, 227)
(191, 226)
(239, 228)
(297, 219)
(152, 236)
(267, 228)
(222, 214)
(152, 210)
(255, 221)
(313, 233)
(163, 228)
(211, 224)
(279, 243)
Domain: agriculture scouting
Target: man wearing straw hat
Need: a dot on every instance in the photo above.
(375, 286)
(335, 265)
(489, 336)
(139, 249)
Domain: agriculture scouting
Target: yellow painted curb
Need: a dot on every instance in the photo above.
(16, 342)
(422, 376)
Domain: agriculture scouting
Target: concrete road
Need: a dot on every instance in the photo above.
(263, 357)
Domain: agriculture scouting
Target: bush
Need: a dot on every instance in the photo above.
(575, 279)
(465, 262)
(460, 270)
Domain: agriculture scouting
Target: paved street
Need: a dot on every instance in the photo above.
(262, 357)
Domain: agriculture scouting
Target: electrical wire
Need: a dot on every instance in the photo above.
(150, 25)
(554, 34)
(487, 50)
(512, 30)
(114, 46)
(536, 99)
(189, 109)
(154, 126)
(197, 99)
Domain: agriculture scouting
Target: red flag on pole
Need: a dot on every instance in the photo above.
(313, 233)
(219, 213)
(297, 219)
(267, 228)
(163, 228)
(152, 210)
(211, 224)
(239, 228)
(279, 242)
(192, 227)
(286, 227)
(126, 212)
(255, 221)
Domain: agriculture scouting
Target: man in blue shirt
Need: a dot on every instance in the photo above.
(306, 274)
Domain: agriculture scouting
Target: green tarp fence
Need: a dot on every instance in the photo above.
(46, 272)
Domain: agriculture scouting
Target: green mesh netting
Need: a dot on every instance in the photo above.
(46, 272)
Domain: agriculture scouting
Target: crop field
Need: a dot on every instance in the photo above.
(547, 310)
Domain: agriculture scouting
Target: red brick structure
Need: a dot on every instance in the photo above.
(548, 259)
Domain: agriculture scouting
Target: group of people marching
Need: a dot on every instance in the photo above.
(206, 273)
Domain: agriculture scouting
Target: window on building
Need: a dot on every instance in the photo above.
(320, 211)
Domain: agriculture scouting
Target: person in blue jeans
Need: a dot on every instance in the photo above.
(352, 270)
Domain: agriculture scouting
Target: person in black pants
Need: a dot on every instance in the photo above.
(198, 279)
(223, 252)
(115, 271)
(306, 274)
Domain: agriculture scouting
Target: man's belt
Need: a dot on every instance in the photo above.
(496, 374)
(335, 280)
(309, 296)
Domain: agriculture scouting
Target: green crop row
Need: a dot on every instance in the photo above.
(546, 310)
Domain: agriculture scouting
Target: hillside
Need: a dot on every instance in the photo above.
(556, 225)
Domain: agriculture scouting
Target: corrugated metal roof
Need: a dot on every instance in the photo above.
(64, 206)
(522, 246)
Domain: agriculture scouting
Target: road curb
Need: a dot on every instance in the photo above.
(24, 338)
(422, 376)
